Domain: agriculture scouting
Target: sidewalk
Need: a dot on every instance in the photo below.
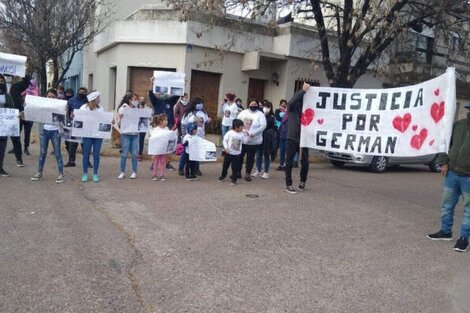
(109, 151)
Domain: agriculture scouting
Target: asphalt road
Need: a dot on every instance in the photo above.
(352, 242)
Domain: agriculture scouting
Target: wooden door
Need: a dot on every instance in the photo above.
(256, 89)
(205, 85)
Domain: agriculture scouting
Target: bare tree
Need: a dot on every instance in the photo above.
(361, 30)
(52, 31)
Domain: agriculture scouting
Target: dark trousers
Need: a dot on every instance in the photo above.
(17, 148)
(190, 168)
(72, 150)
(234, 161)
(27, 132)
(3, 147)
(141, 142)
(291, 149)
(250, 152)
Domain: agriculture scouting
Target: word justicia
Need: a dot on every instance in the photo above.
(370, 101)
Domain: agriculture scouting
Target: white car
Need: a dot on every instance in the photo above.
(379, 164)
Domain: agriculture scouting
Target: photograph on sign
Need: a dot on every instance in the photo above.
(9, 122)
(92, 124)
(45, 110)
(135, 120)
(67, 136)
(169, 82)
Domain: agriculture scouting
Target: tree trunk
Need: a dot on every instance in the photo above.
(55, 78)
(43, 78)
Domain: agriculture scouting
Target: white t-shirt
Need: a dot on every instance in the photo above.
(186, 138)
(255, 123)
(230, 112)
(155, 130)
(233, 141)
(120, 111)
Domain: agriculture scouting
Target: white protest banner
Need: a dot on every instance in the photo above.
(406, 121)
(12, 64)
(45, 110)
(9, 122)
(135, 120)
(92, 124)
(171, 83)
(164, 142)
(201, 150)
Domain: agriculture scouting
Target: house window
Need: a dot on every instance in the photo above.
(300, 81)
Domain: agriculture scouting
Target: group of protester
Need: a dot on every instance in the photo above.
(254, 132)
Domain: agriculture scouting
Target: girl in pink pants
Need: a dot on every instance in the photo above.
(159, 123)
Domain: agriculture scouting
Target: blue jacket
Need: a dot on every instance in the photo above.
(164, 105)
(75, 103)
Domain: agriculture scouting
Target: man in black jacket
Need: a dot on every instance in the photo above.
(15, 91)
(294, 109)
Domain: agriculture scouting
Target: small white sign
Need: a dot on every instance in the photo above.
(12, 64)
(45, 110)
(92, 124)
(9, 122)
(171, 83)
(135, 120)
(202, 150)
(163, 143)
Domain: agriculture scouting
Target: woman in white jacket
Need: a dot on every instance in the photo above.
(255, 123)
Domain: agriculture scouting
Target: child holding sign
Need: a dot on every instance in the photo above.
(233, 141)
(191, 166)
(159, 123)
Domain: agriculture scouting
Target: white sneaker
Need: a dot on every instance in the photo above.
(256, 174)
(265, 176)
(133, 175)
(121, 176)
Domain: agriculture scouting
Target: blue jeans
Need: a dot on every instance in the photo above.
(88, 143)
(454, 187)
(225, 129)
(259, 159)
(282, 153)
(54, 137)
(129, 143)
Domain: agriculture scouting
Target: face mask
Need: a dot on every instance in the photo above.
(135, 103)
(81, 95)
(97, 101)
(266, 110)
(199, 106)
(254, 109)
(184, 102)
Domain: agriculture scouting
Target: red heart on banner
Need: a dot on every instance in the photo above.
(320, 121)
(436, 92)
(415, 127)
(307, 117)
(418, 140)
(438, 111)
(431, 142)
(401, 123)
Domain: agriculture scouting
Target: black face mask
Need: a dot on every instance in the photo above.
(254, 109)
(3, 89)
(81, 96)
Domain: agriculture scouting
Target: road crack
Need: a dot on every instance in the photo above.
(137, 255)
